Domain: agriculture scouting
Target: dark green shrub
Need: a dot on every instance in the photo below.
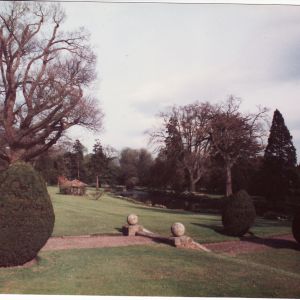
(26, 215)
(238, 214)
(270, 215)
(296, 227)
(131, 183)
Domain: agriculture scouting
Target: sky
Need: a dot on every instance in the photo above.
(151, 56)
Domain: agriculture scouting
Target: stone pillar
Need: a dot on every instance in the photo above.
(179, 240)
(132, 226)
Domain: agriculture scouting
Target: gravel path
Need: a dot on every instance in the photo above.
(77, 242)
(254, 244)
(245, 245)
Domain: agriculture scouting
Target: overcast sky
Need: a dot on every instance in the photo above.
(151, 56)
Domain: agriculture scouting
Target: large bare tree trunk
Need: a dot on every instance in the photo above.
(44, 75)
(228, 180)
(97, 182)
(15, 155)
(193, 181)
(78, 171)
(192, 186)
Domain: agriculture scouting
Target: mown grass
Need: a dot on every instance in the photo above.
(152, 270)
(81, 215)
(155, 270)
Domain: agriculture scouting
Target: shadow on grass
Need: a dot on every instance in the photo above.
(175, 211)
(119, 229)
(166, 210)
(277, 243)
(274, 223)
(216, 228)
(154, 237)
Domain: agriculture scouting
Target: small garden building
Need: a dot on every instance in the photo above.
(71, 187)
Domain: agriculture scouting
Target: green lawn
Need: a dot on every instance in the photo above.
(80, 215)
(156, 270)
(152, 270)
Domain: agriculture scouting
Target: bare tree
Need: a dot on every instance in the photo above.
(45, 74)
(235, 135)
(185, 134)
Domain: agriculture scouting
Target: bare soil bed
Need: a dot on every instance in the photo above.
(254, 244)
(244, 245)
(89, 241)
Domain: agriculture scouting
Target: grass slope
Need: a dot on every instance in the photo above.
(153, 270)
(80, 215)
(159, 271)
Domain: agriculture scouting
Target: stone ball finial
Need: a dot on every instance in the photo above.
(178, 229)
(132, 219)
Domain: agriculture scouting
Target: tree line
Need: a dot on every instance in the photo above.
(47, 77)
(220, 149)
(201, 148)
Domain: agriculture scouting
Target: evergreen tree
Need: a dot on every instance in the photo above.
(45, 165)
(101, 165)
(280, 149)
(279, 164)
(74, 162)
(98, 162)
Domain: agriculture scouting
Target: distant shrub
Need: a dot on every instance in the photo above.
(296, 227)
(238, 214)
(188, 201)
(26, 215)
(270, 215)
(131, 183)
(148, 202)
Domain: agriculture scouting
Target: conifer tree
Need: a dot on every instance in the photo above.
(98, 163)
(280, 149)
(279, 164)
(77, 160)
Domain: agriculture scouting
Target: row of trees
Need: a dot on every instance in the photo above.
(201, 147)
(206, 146)
(103, 166)
(189, 159)
(46, 80)
(196, 135)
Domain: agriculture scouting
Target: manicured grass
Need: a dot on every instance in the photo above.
(80, 215)
(286, 260)
(152, 270)
(156, 270)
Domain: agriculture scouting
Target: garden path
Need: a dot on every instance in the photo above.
(244, 245)
(94, 241)
(254, 244)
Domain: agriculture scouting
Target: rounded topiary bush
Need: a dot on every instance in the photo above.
(296, 227)
(26, 214)
(238, 214)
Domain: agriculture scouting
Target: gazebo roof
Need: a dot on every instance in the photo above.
(71, 183)
(77, 183)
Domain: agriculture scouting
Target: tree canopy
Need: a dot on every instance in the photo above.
(236, 135)
(280, 148)
(45, 78)
(194, 133)
(279, 176)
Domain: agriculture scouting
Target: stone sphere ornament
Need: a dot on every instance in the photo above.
(178, 229)
(132, 219)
